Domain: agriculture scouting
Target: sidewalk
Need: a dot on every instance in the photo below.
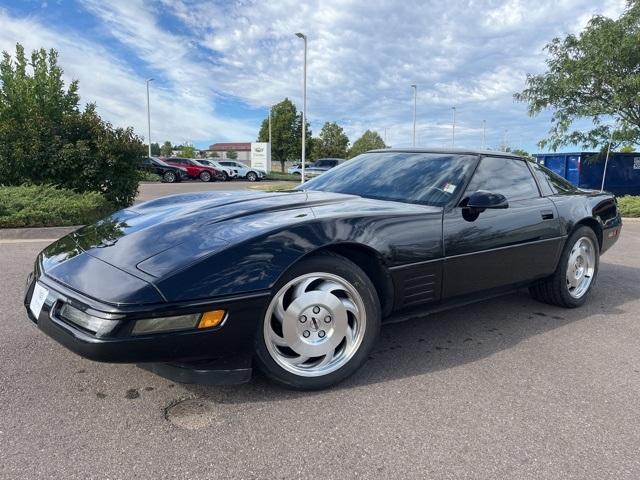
(26, 235)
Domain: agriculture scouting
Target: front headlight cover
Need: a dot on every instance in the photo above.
(100, 326)
(166, 324)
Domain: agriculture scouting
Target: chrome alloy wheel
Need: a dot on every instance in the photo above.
(581, 267)
(314, 324)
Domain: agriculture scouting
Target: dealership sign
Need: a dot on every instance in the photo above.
(261, 156)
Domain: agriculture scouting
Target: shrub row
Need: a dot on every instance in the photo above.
(629, 206)
(46, 206)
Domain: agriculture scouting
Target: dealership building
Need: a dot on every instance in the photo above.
(242, 149)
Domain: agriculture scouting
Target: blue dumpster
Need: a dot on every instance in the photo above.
(585, 169)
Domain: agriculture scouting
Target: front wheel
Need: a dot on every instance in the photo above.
(169, 177)
(320, 325)
(205, 176)
(576, 273)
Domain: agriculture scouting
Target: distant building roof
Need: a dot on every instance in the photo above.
(223, 147)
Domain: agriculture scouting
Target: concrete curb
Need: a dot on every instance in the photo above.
(42, 233)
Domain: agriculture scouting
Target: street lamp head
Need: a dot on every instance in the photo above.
(413, 85)
(301, 35)
(149, 80)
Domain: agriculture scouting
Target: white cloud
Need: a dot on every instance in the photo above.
(363, 55)
(179, 111)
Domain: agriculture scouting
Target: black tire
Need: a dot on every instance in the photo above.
(169, 177)
(224, 176)
(554, 289)
(205, 176)
(336, 265)
(252, 176)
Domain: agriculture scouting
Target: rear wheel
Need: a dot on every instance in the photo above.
(169, 176)
(224, 176)
(321, 324)
(205, 176)
(576, 273)
(252, 176)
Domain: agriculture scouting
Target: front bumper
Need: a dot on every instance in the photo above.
(232, 339)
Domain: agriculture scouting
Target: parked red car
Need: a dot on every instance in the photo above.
(194, 169)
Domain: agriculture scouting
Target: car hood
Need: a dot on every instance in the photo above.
(153, 239)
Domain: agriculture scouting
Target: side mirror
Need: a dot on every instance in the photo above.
(482, 199)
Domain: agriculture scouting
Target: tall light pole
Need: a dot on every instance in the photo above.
(148, 115)
(304, 104)
(484, 133)
(415, 101)
(453, 131)
(606, 162)
(270, 109)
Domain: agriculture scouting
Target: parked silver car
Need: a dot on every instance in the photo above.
(320, 166)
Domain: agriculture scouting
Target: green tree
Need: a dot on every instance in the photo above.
(213, 155)
(627, 149)
(46, 139)
(286, 132)
(232, 154)
(188, 151)
(332, 142)
(369, 140)
(155, 149)
(517, 151)
(166, 149)
(595, 76)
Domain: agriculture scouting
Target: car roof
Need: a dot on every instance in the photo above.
(455, 151)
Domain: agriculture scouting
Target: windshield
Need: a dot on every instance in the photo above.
(160, 162)
(425, 178)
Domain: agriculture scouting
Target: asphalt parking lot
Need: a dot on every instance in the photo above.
(149, 191)
(508, 388)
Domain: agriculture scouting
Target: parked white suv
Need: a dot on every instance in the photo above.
(250, 173)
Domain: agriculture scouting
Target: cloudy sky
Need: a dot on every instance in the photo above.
(218, 65)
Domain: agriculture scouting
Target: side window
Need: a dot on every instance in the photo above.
(557, 184)
(507, 176)
(543, 182)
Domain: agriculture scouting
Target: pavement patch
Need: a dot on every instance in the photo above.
(191, 414)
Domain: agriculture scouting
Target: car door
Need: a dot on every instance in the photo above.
(192, 170)
(227, 165)
(496, 248)
(147, 165)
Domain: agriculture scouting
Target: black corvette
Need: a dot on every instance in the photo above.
(203, 286)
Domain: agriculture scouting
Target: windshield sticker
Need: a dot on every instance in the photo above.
(449, 188)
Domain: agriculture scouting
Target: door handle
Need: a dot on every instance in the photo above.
(546, 214)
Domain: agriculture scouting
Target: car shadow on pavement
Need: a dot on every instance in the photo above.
(449, 339)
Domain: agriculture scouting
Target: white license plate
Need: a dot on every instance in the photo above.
(37, 300)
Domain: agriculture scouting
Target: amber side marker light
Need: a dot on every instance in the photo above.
(211, 319)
